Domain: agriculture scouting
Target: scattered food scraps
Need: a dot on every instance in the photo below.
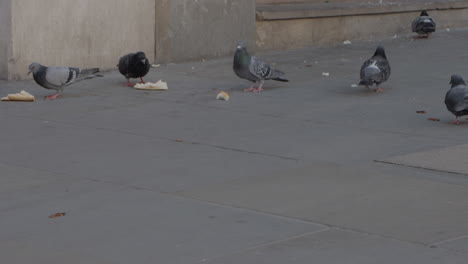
(448, 29)
(155, 65)
(325, 74)
(308, 65)
(22, 96)
(57, 215)
(433, 119)
(160, 85)
(179, 140)
(354, 85)
(223, 96)
(421, 112)
(346, 42)
(214, 89)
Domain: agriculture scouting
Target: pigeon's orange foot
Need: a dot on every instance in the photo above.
(251, 89)
(129, 84)
(257, 90)
(379, 90)
(52, 97)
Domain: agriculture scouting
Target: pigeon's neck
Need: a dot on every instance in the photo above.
(242, 57)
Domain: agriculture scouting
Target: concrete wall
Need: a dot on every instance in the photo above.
(300, 33)
(5, 36)
(197, 29)
(84, 33)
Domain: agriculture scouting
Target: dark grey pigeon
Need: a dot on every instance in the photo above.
(375, 70)
(57, 77)
(424, 25)
(456, 98)
(252, 69)
(134, 65)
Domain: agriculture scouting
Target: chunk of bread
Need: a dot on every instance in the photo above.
(160, 85)
(223, 96)
(21, 96)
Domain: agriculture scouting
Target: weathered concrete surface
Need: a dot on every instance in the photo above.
(5, 37)
(188, 30)
(301, 33)
(283, 176)
(88, 34)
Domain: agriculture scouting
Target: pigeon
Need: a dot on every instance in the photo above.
(456, 98)
(375, 70)
(134, 65)
(57, 77)
(424, 25)
(252, 69)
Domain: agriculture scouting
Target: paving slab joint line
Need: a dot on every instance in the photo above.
(438, 243)
(264, 245)
(419, 167)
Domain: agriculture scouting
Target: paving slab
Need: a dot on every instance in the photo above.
(408, 209)
(130, 225)
(342, 246)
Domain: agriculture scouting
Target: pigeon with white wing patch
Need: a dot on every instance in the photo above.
(375, 70)
(57, 77)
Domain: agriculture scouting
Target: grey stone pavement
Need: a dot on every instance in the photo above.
(312, 171)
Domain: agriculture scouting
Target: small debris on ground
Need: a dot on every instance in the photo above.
(447, 29)
(354, 85)
(155, 65)
(57, 215)
(179, 140)
(223, 96)
(433, 119)
(346, 42)
(421, 112)
(326, 74)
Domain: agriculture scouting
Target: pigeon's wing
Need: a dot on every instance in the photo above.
(460, 98)
(384, 68)
(364, 66)
(61, 76)
(123, 64)
(423, 24)
(259, 69)
(262, 70)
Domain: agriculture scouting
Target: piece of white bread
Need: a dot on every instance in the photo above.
(21, 96)
(160, 85)
(223, 96)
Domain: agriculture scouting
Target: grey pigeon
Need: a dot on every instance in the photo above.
(424, 25)
(375, 70)
(456, 98)
(57, 77)
(134, 65)
(252, 69)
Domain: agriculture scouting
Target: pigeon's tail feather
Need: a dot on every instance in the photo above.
(371, 75)
(280, 79)
(275, 74)
(88, 74)
(89, 71)
(428, 28)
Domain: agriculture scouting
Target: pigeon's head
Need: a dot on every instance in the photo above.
(380, 51)
(424, 13)
(141, 56)
(34, 68)
(456, 80)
